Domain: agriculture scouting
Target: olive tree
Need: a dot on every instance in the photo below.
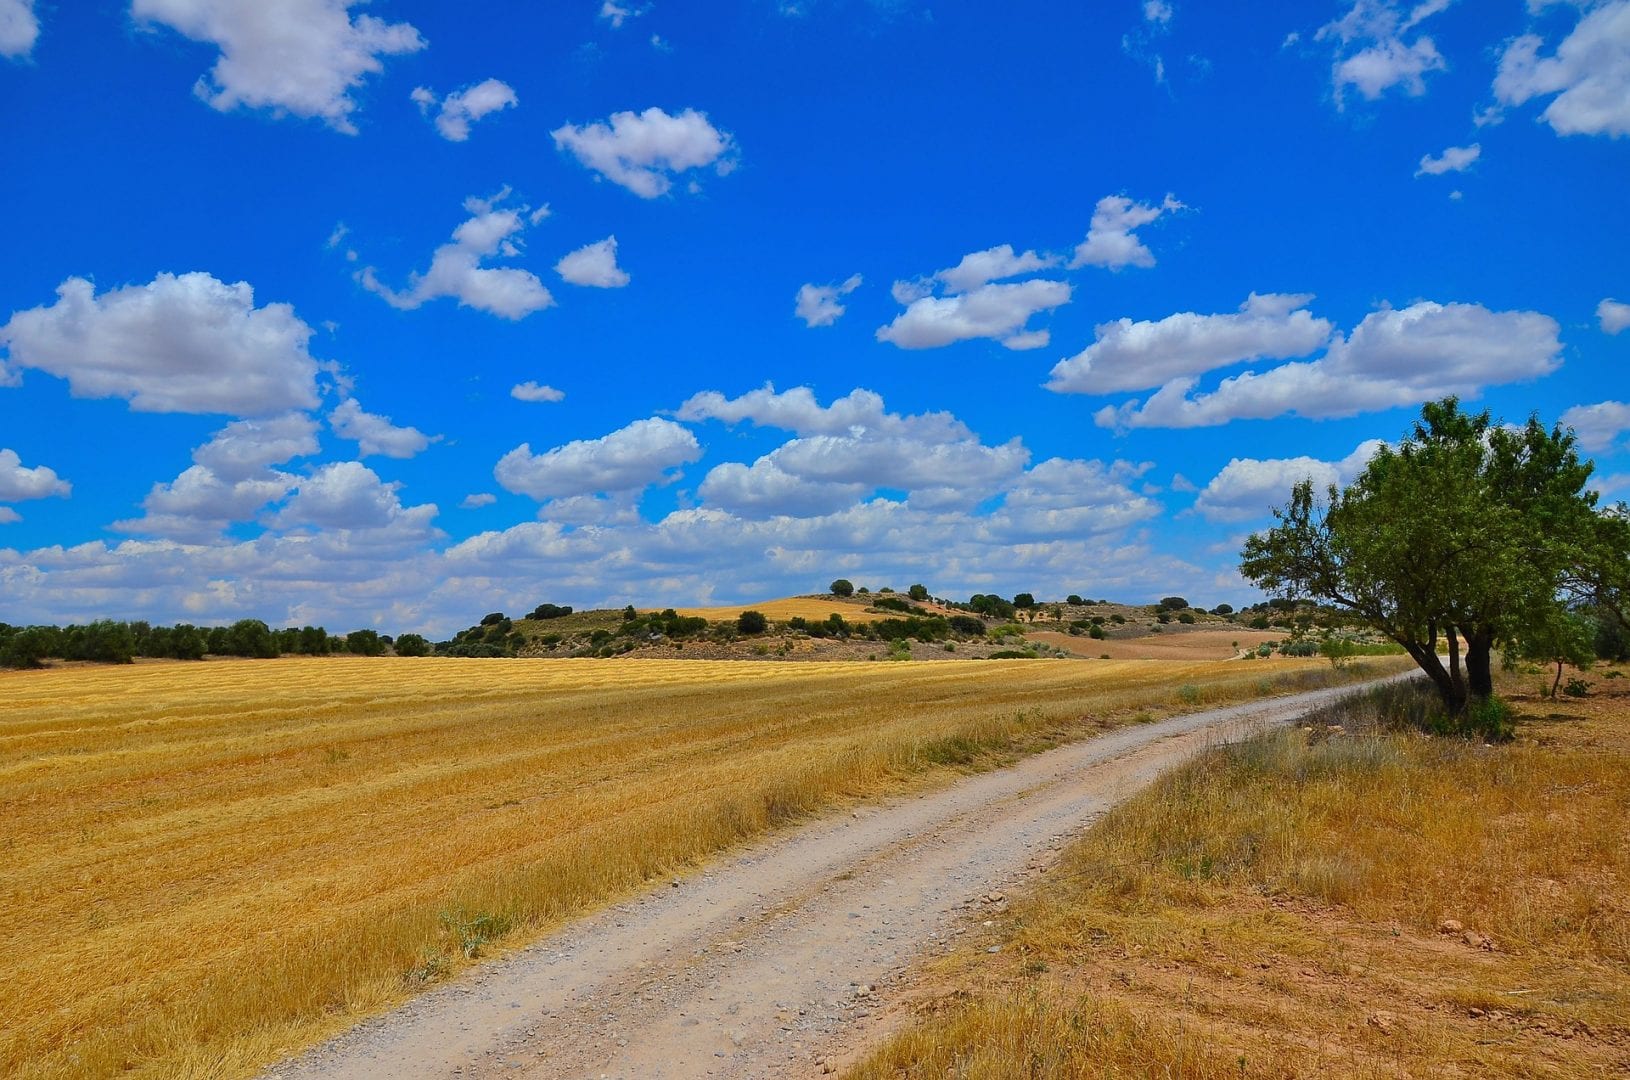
(1466, 534)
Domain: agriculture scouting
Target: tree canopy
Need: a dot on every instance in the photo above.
(1467, 533)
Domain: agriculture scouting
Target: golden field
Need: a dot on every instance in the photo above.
(207, 866)
(1368, 903)
(813, 608)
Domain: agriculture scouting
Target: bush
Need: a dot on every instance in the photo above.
(1185, 617)
(493, 617)
(967, 626)
(1074, 598)
(1011, 654)
(1117, 619)
(1096, 632)
(1223, 609)
(752, 622)
(842, 587)
(918, 592)
(544, 611)
(412, 645)
(1024, 600)
(1576, 687)
(1173, 603)
(892, 603)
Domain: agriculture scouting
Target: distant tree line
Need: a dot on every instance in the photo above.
(110, 641)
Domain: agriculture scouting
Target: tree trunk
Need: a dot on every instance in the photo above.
(1449, 688)
(1479, 664)
(1558, 680)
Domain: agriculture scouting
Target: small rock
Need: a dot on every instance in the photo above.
(1382, 1022)
(994, 948)
(1451, 926)
(1475, 1013)
(675, 883)
(1477, 941)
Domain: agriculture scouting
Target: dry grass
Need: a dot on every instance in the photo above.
(1277, 909)
(1181, 644)
(206, 866)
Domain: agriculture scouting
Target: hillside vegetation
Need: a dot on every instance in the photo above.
(208, 866)
(1353, 900)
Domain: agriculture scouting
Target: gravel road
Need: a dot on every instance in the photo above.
(782, 958)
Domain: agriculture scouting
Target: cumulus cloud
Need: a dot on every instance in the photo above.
(1129, 355)
(1249, 488)
(458, 110)
(245, 448)
(976, 269)
(302, 57)
(763, 489)
(999, 312)
(477, 500)
(594, 265)
(375, 434)
(643, 152)
(1612, 316)
(859, 412)
(186, 343)
(19, 29)
(349, 496)
(1587, 78)
(1598, 426)
(818, 305)
(536, 392)
(629, 459)
(616, 14)
(18, 482)
(1453, 159)
(1157, 11)
(8, 516)
(1111, 242)
(455, 271)
(1372, 53)
(1394, 357)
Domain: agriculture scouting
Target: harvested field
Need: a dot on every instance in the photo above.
(1177, 645)
(208, 866)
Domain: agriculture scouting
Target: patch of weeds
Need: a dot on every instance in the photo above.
(471, 932)
(1576, 687)
(336, 755)
(431, 968)
(1189, 694)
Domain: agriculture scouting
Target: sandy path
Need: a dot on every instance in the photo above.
(761, 966)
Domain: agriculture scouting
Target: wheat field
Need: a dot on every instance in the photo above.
(208, 866)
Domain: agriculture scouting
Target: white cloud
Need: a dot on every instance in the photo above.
(1394, 357)
(1157, 11)
(1589, 73)
(8, 516)
(1371, 53)
(1248, 488)
(19, 28)
(616, 14)
(464, 107)
(456, 271)
(1110, 242)
(1129, 355)
(982, 267)
(631, 458)
(1598, 426)
(644, 151)
(186, 343)
(818, 305)
(999, 312)
(858, 413)
(198, 505)
(18, 482)
(245, 448)
(1612, 316)
(763, 489)
(375, 434)
(349, 496)
(535, 392)
(1453, 159)
(303, 57)
(594, 265)
(477, 500)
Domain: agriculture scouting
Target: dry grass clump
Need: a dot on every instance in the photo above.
(206, 866)
(1356, 902)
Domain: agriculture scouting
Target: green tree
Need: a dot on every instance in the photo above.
(752, 622)
(412, 645)
(842, 587)
(1467, 533)
(1024, 601)
(364, 643)
(918, 592)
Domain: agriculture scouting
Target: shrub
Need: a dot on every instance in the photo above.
(1096, 632)
(1185, 617)
(752, 622)
(1012, 654)
(412, 645)
(1576, 687)
(918, 592)
(1173, 603)
(1024, 600)
(1223, 609)
(546, 611)
(491, 618)
(1074, 598)
(892, 603)
(967, 626)
(1117, 619)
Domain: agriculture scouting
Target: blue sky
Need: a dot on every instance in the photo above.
(390, 314)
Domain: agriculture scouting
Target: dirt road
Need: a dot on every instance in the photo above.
(782, 956)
